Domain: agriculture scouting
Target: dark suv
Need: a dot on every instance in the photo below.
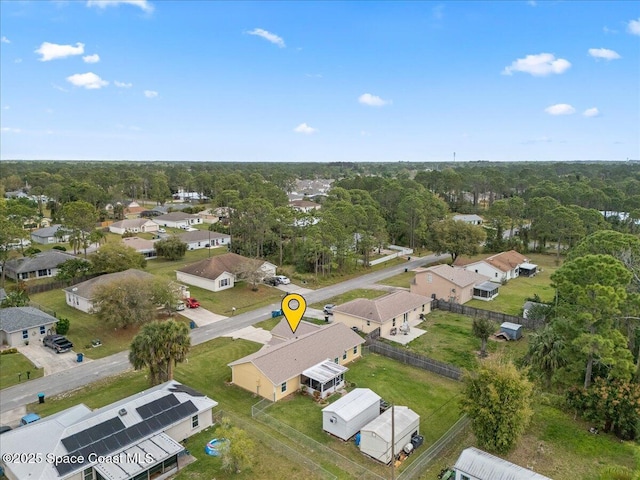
(58, 343)
(273, 281)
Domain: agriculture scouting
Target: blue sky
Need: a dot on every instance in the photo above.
(320, 81)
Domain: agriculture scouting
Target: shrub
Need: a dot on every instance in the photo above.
(9, 351)
(59, 247)
(31, 251)
(62, 326)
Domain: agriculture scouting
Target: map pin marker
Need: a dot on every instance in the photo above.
(293, 307)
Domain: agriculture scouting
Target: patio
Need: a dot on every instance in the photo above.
(404, 338)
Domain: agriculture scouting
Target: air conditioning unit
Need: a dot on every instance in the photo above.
(333, 420)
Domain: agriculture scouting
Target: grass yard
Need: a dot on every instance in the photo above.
(351, 295)
(449, 339)
(401, 280)
(11, 364)
(434, 398)
(512, 295)
(556, 446)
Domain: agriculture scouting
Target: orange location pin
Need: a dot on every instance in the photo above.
(293, 307)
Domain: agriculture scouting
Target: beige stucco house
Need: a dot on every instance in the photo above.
(314, 361)
(134, 225)
(388, 312)
(453, 284)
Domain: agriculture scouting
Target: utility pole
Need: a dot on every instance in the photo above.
(393, 442)
(454, 157)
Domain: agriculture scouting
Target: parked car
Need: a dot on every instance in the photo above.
(273, 281)
(328, 308)
(191, 302)
(162, 230)
(283, 280)
(180, 306)
(58, 343)
(29, 418)
(4, 428)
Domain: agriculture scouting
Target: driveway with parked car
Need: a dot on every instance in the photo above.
(47, 358)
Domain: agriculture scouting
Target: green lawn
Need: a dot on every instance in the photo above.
(11, 364)
(513, 294)
(449, 339)
(351, 295)
(401, 280)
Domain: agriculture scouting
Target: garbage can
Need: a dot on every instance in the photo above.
(79, 357)
(192, 324)
(326, 318)
(41, 398)
(406, 270)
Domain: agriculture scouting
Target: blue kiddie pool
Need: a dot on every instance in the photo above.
(214, 446)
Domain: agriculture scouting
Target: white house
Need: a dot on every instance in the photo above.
(42, 265)
(53, 234)
(221, 272)
(134, 225)
(345, 417)
(304, 206)
(135, 438)
(470, 219)
(178, 220)
(475, 464)
(375, 437)
(499, 268)
(22, 324)
(204, 239)
(144, 247)
(80, 296)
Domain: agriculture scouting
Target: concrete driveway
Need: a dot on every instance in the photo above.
(43, 357)
(201, 316)
(293, 288)
(258, 335)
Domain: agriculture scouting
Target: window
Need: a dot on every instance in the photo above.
(429, 278)
(355, 350)
(393, 323)
(368, 323)
(336, 360)
(344, 355)
(87, 474)
(406, 317)
(195, 421)
(42, 330)
(496, 274)
(283, 387)
(25, 334)
(464, 477)
(224, 282)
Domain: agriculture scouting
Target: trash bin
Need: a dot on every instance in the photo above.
(192, 325)
(41, 398)
(326, 318)
(406, 270)
(79, 357)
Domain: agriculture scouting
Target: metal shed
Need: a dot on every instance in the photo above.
(345, 417)
(475, 464)
(511, 330)
(375, 437)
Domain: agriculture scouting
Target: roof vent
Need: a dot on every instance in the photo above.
(122, 412)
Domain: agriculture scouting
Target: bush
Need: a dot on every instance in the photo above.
(31, 251)
(59, 247)
(9, 351)
(62, 326)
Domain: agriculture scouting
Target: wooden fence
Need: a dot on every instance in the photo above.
(498, 317)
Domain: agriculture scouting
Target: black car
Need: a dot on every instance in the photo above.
(58, 343)
(273, 281)
(4, 428)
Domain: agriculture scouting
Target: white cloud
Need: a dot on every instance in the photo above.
(604, 53)
(606, 29)
(95, 58)
(591, 112)
(438, 12)
(538, 65)
(11, 130)
(560, 109)
(122, 84)
(304, 128)
(143, 4)
(633, 27)
(533, 3)
(58, 87)
(17, 60)
(150, 93)
(5, 40)
(271, 37)
(51, 51)
(372, 100)
(88, 80)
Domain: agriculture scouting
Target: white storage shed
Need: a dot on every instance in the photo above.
(375, 437)
(345, 417)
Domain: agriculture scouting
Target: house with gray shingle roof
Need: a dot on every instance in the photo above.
(178, 220)
(453, 284)
(134, 225)
(41, 265)
(313, 361)
(21, 324)
(204, 239)
(53, 234)
(80, 296)
(389, 312)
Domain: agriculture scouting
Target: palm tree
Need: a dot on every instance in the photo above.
(160, 346)
(546, 352)
(483, 328)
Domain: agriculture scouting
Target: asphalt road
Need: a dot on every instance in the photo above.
(74, 378)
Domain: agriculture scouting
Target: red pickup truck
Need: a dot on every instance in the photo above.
(191, 302)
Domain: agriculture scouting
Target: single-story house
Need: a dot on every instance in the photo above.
(135, 438)
(475, 464)
(314, 361)
(389, 312)
(282, 331)
(376, 436)
(42, 265)
(174, 207)
(512, 331)
(304, 206)
(141, 245)
(215, 215)
(21, 324)
(346, 416)
(53, 234)
(453, 284)
(178, 220)
(80, 296)
(204, 239)
(472, 219)
(500, 267)
(134, 225)
(220, 272)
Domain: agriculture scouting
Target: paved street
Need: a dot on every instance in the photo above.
(21, 394)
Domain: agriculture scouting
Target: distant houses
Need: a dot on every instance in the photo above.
(144, 247)
(53, 234)
(204, 239)
(472, 219)
(134, 225)
(500, 267)
(42, 265)
(178, 220)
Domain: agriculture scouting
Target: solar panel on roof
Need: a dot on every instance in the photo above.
(100, 448)
(157, 406)
(71, 443)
